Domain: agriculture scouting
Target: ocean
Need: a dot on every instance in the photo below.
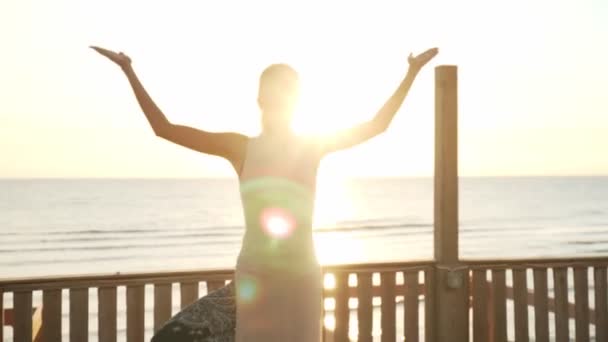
(79, 226)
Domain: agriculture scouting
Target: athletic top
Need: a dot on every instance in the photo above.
(277, 185)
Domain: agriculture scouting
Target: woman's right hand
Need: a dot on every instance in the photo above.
(120, 58)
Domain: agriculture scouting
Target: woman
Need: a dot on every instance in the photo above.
(278, 285)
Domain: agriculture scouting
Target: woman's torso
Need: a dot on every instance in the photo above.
(277, 184)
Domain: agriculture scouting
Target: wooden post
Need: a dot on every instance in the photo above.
(446, 165)
(451, 289)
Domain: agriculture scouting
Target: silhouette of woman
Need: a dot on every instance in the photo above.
(277, 292)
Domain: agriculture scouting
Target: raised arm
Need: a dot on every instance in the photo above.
(228, 145)
(357, 134)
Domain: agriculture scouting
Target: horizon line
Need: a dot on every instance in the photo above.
(345, 178)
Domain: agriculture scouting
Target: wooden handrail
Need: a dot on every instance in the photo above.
(114, 279)
(600, 261)
(98, 280)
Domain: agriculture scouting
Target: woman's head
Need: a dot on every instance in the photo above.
(278, 95)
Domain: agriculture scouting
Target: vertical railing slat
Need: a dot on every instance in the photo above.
(520, 304)
(560, 283)
(22, 315)
(365, 308)
(387, 311)
(189, 293)
(410, 306)
(162, 305)
(135, 313)
(106, 321)
(51, 315)
(581, 303)
(429, 304)
(79, 314)
(601, 303)
(1, 315)
(499, 305)
(341, 312)
(541, 307)
(213, 285)
(480, 306)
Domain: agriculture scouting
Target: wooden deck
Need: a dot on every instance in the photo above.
(441, 300)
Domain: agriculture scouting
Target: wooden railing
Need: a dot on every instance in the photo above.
(363, 302)
(359, 287)
(545, 285)
(105, 289)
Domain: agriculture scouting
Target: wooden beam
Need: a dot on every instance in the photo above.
(446, 165)
(451, 291)
(123, 279)
(116, 279)
(535, 262)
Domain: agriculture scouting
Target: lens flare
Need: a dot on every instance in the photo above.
(277, 222)
(247, 289)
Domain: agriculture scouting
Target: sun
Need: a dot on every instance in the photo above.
(326, 104)
(311, 119)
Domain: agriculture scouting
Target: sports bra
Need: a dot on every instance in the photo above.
(277, 186)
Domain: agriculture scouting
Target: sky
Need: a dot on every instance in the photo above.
(532, 82)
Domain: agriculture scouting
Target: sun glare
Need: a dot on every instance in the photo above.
(334, 206)
(338, 248)
(309, 120)
(333, 203)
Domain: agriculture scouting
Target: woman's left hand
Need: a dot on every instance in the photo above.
(417, 62)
